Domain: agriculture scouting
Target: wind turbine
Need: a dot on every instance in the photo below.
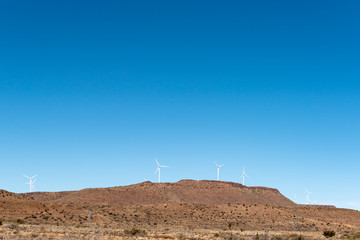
(31, 182)
(243, 176)
(307, 196)
(158, 168)
(218, 170)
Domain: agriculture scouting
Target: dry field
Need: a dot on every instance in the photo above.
(12, 230)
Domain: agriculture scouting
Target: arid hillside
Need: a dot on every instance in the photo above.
(5, 195)
(182, 205)
(185, 191)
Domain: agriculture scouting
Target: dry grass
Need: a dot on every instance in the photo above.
(95, 232)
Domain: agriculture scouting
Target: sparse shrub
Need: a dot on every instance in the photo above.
(134, 231)
(356, 235)
(216, 235)
(13, 227)
(1, 222)
(20, 221)
(295, 237)
(180, 236)
(351, 236)
(329, 234)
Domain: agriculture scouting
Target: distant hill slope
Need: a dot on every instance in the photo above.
(187, 203)
(9, 196)
(185, 191)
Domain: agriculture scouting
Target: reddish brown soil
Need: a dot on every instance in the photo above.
(185, 191)
(185, 204)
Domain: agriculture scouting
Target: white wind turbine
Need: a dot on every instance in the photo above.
(31, 182)
(158, 168)
(243, 176)
(307, 196)
(218, 170)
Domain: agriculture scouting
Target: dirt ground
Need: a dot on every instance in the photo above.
(92, 231)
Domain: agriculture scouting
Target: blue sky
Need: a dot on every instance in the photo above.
(92, 91)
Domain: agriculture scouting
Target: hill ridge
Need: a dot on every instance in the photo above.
(183, 191)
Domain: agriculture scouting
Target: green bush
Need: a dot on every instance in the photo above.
(329, 234)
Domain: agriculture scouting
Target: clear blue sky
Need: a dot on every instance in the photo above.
(92, 91)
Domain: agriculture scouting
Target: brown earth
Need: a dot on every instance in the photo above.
(185, 191)
(5, 195)
(183, 205)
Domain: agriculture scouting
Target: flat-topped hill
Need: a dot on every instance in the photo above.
(187, 203)
(185, 191)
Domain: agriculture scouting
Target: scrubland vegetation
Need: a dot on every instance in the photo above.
(19, 230)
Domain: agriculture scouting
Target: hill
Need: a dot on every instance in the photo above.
(185, 191)
(185, 204)
(9, 196)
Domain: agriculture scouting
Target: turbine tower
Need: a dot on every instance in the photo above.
(218, 170)
(307, 196)
(158, 168)
(31, 182)
(243, 176)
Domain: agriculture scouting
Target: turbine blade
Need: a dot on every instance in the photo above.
(157, 170)
(221, 165)
(157, 162)
(164, 166)
(216, 164)
(26, 176)
(34, 176)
